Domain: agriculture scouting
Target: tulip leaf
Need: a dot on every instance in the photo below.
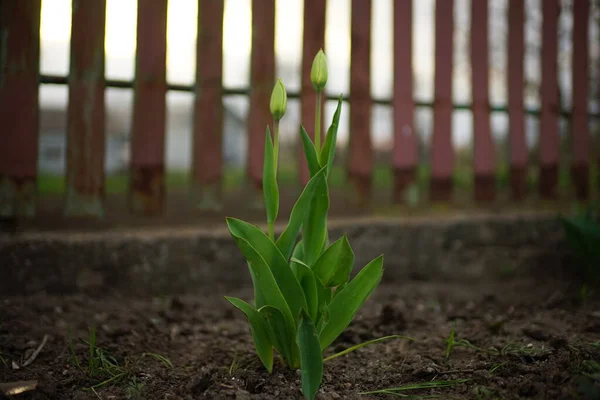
(265, 280)
(280, 332)
(309, 286)
(335, 264)
(288, 237)
(310, 152)
(268, 251)
(311, 357)
(344, 306)
(270, 189)
(314, 229)
(260, 331)
(328, 151)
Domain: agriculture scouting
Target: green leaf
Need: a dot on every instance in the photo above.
(265, 280)
(328, 151)
(284, 276)
(309, 286)
(311, 357)
(334, 266)
(324, 296)
(298, 251)
(363, 344)
(260, 331)
(314, 230)
(344, 306)
(309, 152)
(287, 239)
(270, 189)
(283, 337)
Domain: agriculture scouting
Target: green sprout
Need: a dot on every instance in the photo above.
(303, 295)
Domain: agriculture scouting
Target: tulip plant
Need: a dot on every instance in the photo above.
(303, 295)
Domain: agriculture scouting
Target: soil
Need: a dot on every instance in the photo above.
(549, 341)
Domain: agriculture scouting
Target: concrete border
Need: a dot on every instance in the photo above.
(163, 261)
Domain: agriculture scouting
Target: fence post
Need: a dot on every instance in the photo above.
(549, 140)
(442, 152)
(208, 106)
(262, 79)
(360, 162)
(85, 126)
(516, 112)
(580, 74)
(313, 40)
(406, 140)
(147, 181)
(19, 69)
(483, 158)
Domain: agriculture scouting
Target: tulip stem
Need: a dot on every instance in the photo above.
(318, 123)
(275, 144)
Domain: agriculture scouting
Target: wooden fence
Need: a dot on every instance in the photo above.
(20, 80)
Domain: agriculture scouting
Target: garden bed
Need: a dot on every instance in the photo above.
(503, 287)
(545, 341)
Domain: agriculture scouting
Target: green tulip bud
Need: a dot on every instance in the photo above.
(278, 100)
(318, 72)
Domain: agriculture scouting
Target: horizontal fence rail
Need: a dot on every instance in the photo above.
(85, 181)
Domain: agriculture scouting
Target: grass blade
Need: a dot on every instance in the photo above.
(419, 386)
(346, 304)
(287, 239)
(160, 358)
(260, 331)
(309, 152)
(268, 251)
(270, 189)
(363, 344)
(334, 265)
(310, 356)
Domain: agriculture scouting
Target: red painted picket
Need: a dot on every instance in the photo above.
(313, 40)
(149, 109)
(579, 126)
(516, 112)
(360, 160)
(207, 164)
(86, 111)
(442, 152)
(19, 69)
(406, 141)
(549, 140)
(483, 157)
(262, 79)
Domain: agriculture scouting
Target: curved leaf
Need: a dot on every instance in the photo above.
(286, 280)
(265, 280)
(283, 337)
(311, 357)
(314, 230)
(335, 264)
(287, 239)
(344, 306)
(309, 286)
(260, 331)
(309, 152)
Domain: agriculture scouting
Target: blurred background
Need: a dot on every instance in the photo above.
(120, 48)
